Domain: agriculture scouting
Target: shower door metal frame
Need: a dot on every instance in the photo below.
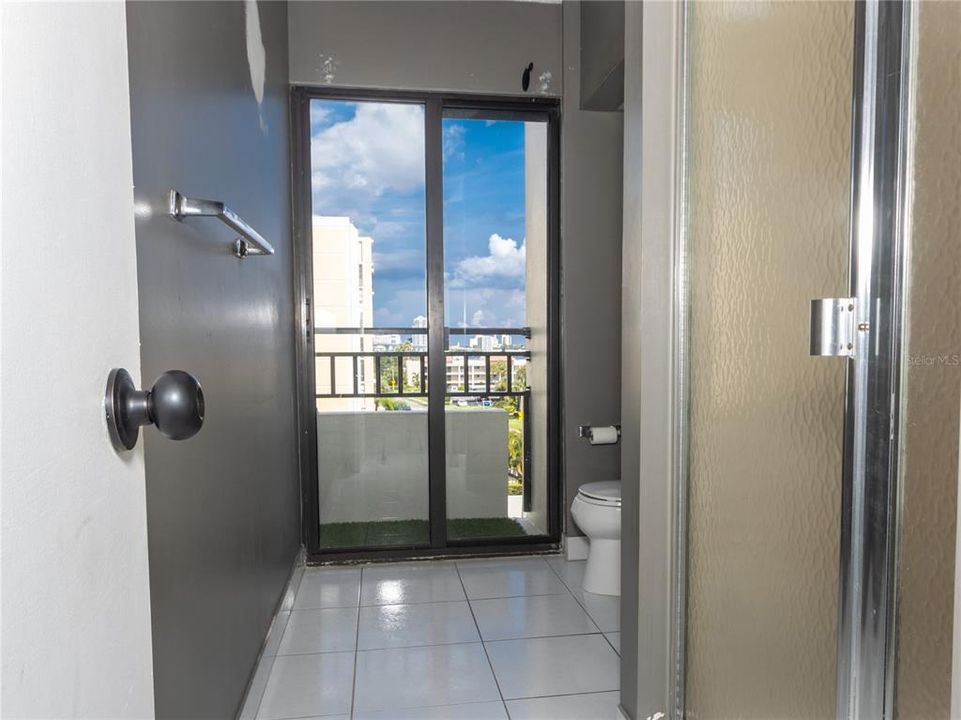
(870, 501)
(869, 481)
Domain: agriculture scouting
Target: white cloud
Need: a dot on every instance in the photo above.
(405, 305)
(486, 307)
(412, 261)
(380, 148)
(504, 261)
(387, 229)
(454, 141)
(318, 113)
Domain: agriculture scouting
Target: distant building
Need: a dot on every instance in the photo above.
(486, 343)
(386, 342)
(343, 297)
(476, 374)
(419, 341)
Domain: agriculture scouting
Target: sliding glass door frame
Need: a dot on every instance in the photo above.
(868, 484)
(435, 105)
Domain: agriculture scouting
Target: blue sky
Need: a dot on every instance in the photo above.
(368, 163)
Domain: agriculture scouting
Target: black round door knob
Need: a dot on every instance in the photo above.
(175, 404)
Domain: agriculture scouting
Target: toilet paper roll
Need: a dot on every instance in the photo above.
(603, 435)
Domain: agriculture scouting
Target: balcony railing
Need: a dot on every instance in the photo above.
(477, 379)
(403, 358)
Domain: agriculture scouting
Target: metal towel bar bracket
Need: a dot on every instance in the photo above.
(250, 241)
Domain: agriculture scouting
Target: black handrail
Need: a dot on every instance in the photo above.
(523, 332)
(399, 356)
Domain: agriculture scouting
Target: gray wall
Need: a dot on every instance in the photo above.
(223, 507)
(602, 54)
(476, 47)
(591, 189)
(631, 360)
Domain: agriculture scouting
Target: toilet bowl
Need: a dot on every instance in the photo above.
(597, 512)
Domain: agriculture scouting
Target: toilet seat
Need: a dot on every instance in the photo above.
(605, 493)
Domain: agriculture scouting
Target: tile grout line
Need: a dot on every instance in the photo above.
(440, 645)
(578, 601)
(481, 638)
(561, 695)
(583, 607)
(611, 644)
(353, 679)
(433, 602)
(543, 637)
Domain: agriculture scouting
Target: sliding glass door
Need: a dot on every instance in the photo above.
(368, 295)
(495, 299)
(426, 250)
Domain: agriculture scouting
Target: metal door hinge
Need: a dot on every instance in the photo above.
(308, 321)
(832, 327)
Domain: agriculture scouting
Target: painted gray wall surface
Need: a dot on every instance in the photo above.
(471, 47)
(631, 358)
(602, 54)
(223, 507)
(591, 201)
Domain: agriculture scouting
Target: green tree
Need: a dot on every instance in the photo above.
(388, 374)
(499, 374)
(515, 453)
(520, 377)
(508, 404)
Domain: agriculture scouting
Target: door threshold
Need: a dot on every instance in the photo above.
(356, 557)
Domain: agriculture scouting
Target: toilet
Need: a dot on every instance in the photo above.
(597, 512)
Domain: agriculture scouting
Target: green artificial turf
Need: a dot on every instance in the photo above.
(413, 532)
(468, 528)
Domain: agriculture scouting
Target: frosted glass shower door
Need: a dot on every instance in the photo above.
(768, 182)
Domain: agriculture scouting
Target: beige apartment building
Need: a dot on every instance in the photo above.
(343, 298)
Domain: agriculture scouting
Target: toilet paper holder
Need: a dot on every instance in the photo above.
(586, 431)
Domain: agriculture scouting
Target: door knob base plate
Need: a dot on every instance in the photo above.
(121, 402)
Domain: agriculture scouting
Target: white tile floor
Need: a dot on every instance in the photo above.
(506, 638)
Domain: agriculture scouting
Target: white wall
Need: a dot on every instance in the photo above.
(75, 604)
